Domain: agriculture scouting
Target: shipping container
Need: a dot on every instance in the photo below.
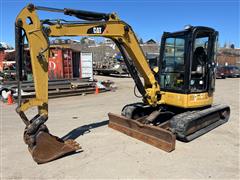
(55, 64)
(60, 64)
(76, 64)
(86, 65)
(67, 64)
(64, 63)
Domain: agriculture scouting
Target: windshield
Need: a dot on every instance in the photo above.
(201, 42)
(173, 60)
(172, 71)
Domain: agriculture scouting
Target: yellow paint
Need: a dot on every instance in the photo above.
(186, 100)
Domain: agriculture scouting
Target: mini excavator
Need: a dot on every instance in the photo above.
(182, 109)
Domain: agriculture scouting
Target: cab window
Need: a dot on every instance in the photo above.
(172, 70)
(198, 80)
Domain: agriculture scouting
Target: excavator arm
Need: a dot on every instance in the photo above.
(37, 35)
(37, 32)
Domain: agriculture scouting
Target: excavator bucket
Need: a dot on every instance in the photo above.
(158, 136)
(47, 147)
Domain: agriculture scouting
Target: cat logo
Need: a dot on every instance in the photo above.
(96, 30)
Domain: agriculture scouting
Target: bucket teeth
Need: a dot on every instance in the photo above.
(48, 147)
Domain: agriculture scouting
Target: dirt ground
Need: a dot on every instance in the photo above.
(110, 154)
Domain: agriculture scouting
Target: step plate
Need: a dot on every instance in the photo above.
(156, 136)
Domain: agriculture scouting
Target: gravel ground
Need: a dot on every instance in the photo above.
(110, 154)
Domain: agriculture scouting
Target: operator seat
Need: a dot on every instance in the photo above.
(198, 78)
(199, 61)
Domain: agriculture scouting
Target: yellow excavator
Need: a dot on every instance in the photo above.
(183, 107)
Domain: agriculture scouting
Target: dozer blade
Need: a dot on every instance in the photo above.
(48, 147)
(159, 137)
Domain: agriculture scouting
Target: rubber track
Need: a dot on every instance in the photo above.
(181, 123)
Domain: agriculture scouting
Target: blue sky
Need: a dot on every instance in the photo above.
(148, 18)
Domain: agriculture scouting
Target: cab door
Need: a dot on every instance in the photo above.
(203, 61)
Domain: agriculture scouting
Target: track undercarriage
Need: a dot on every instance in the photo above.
(161, 126)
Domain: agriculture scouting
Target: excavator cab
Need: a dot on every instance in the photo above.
(187, 60)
